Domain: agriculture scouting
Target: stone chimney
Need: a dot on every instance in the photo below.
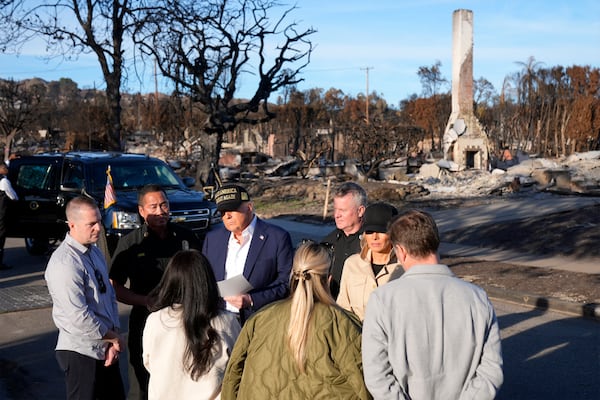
(465, 143)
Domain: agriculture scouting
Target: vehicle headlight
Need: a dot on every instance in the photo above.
(125, 220)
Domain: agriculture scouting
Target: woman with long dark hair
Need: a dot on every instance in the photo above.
(304, 347)
(188, 337)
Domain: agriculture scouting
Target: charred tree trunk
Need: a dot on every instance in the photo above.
(113, 94)
(208, 156)
(563, 128)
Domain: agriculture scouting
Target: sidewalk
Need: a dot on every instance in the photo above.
(509, 210)
(543, 204)
(23, 287)
(586, 265)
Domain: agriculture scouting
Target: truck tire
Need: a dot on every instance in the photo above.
(37, 246)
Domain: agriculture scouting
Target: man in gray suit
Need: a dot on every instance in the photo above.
(429, 334)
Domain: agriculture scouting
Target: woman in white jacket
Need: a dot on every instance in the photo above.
(375, 264)
(187, 339)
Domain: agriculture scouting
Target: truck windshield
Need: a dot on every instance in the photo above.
(135, 175)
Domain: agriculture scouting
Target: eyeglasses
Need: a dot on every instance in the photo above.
(100, 281)
(97, 274)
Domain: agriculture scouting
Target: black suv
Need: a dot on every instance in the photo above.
(46, 182)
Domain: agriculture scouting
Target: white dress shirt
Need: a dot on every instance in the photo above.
(237, 253)
(7, 188)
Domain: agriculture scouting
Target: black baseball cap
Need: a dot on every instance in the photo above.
(230, 197)
(377, 216)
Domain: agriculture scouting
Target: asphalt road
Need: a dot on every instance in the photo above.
(547, 355)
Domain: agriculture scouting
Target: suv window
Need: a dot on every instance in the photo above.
(131, 176)
(36, 176)
(73, 176)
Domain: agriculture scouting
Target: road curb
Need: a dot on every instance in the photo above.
(588, 311)
(22, 298)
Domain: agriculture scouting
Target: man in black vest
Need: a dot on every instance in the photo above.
(141, 257)
(349, 205)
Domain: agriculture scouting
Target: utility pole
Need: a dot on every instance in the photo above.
(367, 93)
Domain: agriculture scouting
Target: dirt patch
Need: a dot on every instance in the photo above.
(306, 197)
(564, 285)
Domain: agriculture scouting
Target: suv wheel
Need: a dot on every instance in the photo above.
(37, 246)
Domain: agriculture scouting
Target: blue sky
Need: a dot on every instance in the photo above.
(393, 38)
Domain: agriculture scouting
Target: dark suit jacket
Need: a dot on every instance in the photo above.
(267, 267)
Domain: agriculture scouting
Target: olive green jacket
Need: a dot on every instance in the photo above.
(262, 367)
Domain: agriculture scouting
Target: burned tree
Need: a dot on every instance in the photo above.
(210, 49)
(433, 83)
(373, 143)
(17, 105)
(70, 28)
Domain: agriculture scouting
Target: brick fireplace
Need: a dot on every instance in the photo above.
(465, 143)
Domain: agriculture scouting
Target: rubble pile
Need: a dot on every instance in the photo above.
(467, 183)
(287, 188)
(410, 191)
(576, 174)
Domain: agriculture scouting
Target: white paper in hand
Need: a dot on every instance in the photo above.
(234, 286)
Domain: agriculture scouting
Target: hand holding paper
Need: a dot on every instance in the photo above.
(234, 286)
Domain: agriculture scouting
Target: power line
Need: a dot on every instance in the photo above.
(331, 69)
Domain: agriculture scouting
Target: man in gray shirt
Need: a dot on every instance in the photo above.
(85, 309)
(429, 334)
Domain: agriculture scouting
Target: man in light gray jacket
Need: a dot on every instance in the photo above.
(429, 334)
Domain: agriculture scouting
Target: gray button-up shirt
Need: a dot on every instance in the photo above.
(84, 302)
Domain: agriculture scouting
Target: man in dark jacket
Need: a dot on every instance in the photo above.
(349, 205)
(246, 245)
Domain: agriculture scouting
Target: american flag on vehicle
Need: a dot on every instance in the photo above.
(110, 196)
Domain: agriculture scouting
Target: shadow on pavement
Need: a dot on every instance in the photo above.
(28, 367)
(551, 361)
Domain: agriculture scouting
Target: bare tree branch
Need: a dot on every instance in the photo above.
(209, 49)
(17, 106)
(71, 28)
